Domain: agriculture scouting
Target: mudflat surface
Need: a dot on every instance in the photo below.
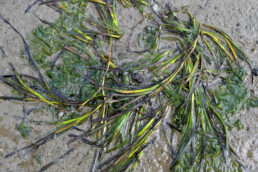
(239, 18)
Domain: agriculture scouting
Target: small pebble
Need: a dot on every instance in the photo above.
(137, 77)
(255, 71)
(60, 114)
(156, 7)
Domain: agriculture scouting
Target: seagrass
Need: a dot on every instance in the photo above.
(124, 104)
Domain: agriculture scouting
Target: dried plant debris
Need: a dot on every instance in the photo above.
(78, 76)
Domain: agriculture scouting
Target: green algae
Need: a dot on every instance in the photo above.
(146, 39)
(24, 129)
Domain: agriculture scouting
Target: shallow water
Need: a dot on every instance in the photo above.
(239, 18)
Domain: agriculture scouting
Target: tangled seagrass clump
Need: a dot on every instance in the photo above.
(124, 104)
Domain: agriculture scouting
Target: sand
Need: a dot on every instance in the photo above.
(239, 18)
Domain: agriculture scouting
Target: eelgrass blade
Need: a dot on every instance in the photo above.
(27, 49)
(56, 160)
(31, 5)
